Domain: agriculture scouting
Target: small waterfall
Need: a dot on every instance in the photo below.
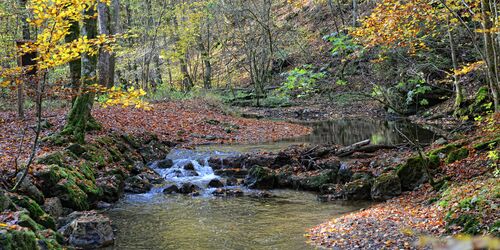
(190, 166)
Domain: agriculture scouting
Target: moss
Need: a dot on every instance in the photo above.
(35, 211)
(315, 182)
(412, 174)
(457, 155)
(18, 240)
(25, 220)
(87, 171)
(72, 195)
(444, 149)
(495, 228)
(433, 160)
(56, 158)
(487, 144)
(469, 223)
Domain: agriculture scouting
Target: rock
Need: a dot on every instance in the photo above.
(188, 188)
(103, 205)
(56, 158)
(457, 155)
(5, 201)
(313, 183)
(215, 183)
(154, 150)
(231, 181)
(89, 231)
(35, 211)
(191, 173)
(53, 207)
(440, 141)
(137, 168)
(231, 172)
(386, 186)
(76, 149)
(362, 176)
(261, 195)
(344, 174)
(225, 192)
(189, 166)
(412, 174)
(229, 162)
(112, 187)
(330, 165)
(260, 178)
(28, 188)
(167, 163)
(329, 189)
(137, 184)
(357, 190)
(171, 189)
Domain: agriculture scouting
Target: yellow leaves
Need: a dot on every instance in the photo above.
(467, 68)
(130, 97)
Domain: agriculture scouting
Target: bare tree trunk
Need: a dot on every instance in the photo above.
(459, 96)
(105, 76)
(490, 56)
(75, 66)
(26, 38)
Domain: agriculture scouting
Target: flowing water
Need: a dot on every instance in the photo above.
(158, 221)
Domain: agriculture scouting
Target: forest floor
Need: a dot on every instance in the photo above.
(184, 122)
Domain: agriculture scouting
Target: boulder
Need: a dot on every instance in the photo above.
(215, 183)
(313, 183)
(112, 187)
(138, 184)
(188, 188)
(386, 186)
(34, 210)
(189, 166)
(28, 188)
(167, 163)
(137, 168)
(171, 189)
(232, 172)
(89, 231)
(412, 174)
(260, 178)
(53, 207)
(76, 149)
(357, 190)
(344, 174)
(231, 181)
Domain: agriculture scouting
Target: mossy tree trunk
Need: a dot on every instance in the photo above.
(75, 66)
(79, 115)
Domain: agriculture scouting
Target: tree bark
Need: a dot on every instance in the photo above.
(459, 96)
(75, 66)
(489, 44)
(80, 113)
(26, 37)
(106, 58)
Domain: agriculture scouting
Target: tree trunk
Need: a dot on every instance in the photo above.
(26, 37)
(80, 113)
(75, 66)
(490, 56)
(459, 96)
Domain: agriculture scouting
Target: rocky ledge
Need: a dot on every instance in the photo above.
(49, 209)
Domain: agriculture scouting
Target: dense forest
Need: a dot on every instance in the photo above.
(242, 124)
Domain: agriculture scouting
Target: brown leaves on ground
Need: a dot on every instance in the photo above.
(395, 224)
(186, 122)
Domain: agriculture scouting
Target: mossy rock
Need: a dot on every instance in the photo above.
(75, 189)
(56, 158)
(469, 224)
(5, 201)
(35, 211)
(444, 149)
(18, 239)
(487, 144)
(25, 220)
(314, 183)
(357, 190)
(457, 155)
(261, 178)
(72, 195)
(386, 186)
(412, 174)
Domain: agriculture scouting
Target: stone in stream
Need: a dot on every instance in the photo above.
(226, 192)
(232, 172)
(189, 166)
(167, 163)
(171, 189)
(260, 178)
(215, 183)
(261, 195)
(137, 184)
(88, 230)
(188, 188)
(231, 181)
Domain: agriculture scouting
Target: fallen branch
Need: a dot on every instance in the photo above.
(352, 148)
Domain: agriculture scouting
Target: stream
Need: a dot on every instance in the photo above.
(158, 221)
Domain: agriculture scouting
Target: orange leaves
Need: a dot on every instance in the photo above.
(395, 23)
(467, 68)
